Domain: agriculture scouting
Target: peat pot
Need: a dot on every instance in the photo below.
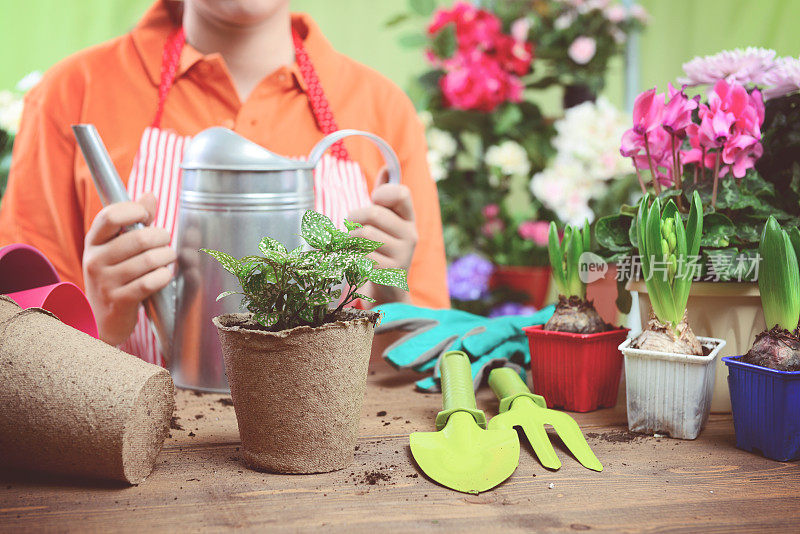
(725, 310)
(669, 393)
(577, 372)
(765, 409)
(297, 393)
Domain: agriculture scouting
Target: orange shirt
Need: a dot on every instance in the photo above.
(51, 200)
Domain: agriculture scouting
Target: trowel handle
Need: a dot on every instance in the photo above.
(458, 394)
(392, 163)
(508, 385)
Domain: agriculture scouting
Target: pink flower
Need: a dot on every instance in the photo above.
(514, 56)
(615, 13)
(492, 227)
(474, 27)
(520, 29)
(536, 231)
(648, 109)
(475, 81)
(678, 112)
(582, 49)
(490, 211)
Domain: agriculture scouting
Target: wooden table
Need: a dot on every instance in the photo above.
(199, 483)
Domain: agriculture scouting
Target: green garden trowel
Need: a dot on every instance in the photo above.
(520, 407)
(464, 456)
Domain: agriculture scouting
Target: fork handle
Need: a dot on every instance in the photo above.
(507, 386)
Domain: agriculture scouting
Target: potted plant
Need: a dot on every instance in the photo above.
(736, 148)
(297, 367)
(669, 371)
(575, 363)
(765, 382)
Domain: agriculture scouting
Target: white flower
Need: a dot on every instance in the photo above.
(509, 157)
(520, 29)
(10, 111)
(749, 66)
(436, 166)
(441, 142)
(29, 81)
(582, 49)
(564, 21)
(783, 79)
(615, 13)
(587, 158)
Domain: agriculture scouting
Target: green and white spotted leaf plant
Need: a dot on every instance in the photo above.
(573, 312)
(283, 289)
(668, 251)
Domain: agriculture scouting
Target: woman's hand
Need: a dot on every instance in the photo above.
(121, 269)
(390, 220)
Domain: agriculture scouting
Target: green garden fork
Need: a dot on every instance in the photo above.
(520, 407)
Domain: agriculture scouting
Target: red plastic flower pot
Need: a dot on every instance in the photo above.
(533, 281)
(577, 372)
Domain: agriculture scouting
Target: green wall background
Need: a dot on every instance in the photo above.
(34, 34)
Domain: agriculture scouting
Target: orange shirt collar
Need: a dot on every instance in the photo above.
(150, 36)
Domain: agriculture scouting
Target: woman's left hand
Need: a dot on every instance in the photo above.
(390, 220)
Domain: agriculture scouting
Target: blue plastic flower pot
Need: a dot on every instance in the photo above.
(766, 409)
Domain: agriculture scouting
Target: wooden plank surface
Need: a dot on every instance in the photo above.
(649, 484)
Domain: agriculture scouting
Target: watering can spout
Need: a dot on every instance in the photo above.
(160, 306)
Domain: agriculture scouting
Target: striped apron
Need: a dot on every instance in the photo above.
(339, 183)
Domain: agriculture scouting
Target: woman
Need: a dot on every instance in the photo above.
(248, 65)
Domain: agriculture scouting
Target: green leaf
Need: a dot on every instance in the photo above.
(412, 40)
(225, 294)
(317, 229)
(271, 247)
(556, 254)
(422, 7)
(794, 237)
(717, 230)
(611, 232)
(509, 117)
(396, 19)
(389, 277)
(350, 225)
(444, 43)
(228, 262)
(364, 297)
(779, 278)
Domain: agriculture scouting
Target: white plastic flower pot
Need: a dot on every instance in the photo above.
(669, 393)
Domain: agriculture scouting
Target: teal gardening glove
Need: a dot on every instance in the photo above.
(489, 343)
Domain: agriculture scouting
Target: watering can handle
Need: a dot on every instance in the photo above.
(386, 151)
(458, 393)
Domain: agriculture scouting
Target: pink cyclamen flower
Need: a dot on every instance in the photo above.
(648, 109)
(678, 112)
(582, 50)
(490, 211)
(536, 231)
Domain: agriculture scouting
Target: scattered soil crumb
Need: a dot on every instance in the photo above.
(415, 475)
(174, 424)
(396, 418)
(225, 401)
(197, 393)
(386, 423)
(617, 436)
(192, 434)
(407, 421)
(358, 447)
(381, 413)
(373, 477)
(199, 416)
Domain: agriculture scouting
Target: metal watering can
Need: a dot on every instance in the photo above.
(233, 193)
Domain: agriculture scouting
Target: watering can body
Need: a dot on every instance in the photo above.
(233, 193)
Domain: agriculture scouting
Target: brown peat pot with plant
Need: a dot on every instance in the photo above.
(765, 383)
(297, 366)
(575, 363)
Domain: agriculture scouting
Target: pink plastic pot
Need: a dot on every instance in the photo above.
(23, 267)
(29, 278)
(577, 372)
(65, 300)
